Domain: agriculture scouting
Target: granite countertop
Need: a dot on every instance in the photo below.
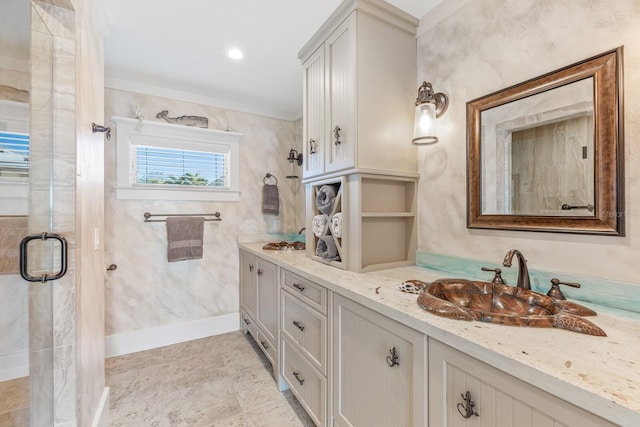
(600, 374)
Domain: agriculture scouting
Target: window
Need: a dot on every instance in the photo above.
(173, 162)
(14, 155)
(168, 166)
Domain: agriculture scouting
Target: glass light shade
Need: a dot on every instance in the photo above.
(423, 124)
(293, 173)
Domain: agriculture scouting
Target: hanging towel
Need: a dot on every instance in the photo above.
(270, 199)
(326, 249)
(184, 238)
(318, 225)
(336, 225)
(325, 199)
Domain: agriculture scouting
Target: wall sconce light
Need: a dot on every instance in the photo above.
(294, 157)
(429, 106)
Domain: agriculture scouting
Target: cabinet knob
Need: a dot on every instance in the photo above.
(336, 134)
(298, 325)
(298, 287)
(313, 147)
(297, 375)
(259, 272)
(466, 408)
(250, 267)
(392, 359)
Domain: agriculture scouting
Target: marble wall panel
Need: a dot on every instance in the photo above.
(12, 230)
(14, 318)
(490, 45)
(146, 291)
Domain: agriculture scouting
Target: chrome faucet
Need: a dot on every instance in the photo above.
(523, 271)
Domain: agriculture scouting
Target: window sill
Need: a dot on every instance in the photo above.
(147, 193)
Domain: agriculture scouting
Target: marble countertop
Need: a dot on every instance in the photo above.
(600, 374)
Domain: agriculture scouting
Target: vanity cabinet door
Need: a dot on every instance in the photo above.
(379, 369)
(248, 284)
(314, 129)
(500, 400)
(340, 65)
(267, 295)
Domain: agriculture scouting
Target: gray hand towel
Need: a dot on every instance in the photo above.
(270, 200)
(327, 249)
(326, 198)
(184, 238)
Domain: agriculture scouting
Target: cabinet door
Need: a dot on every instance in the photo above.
(340, 64)
(267, 299)
(500, 400)
(248, 292)
(367, 389)
(313, 115)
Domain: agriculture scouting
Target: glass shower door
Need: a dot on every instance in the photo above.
(27, 203)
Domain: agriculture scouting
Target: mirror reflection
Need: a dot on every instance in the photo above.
(538, 154)
(547, 154)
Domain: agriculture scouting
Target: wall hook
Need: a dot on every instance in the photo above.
(97, 128)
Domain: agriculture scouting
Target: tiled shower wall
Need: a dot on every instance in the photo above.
(146, 291)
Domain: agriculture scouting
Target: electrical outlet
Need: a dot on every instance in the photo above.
(96, 239)
(250, 225)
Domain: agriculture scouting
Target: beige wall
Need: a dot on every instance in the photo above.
(492, 44)
(146, 291)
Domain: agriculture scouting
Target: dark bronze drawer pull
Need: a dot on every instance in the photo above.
(392, 359)
(264, 345)
(466, 408)
(298, 325)
(297, 375)
(298, 287)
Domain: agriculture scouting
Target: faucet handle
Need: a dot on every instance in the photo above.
(555, 291)
(497, 279)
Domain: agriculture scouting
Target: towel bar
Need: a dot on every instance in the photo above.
(148, 215)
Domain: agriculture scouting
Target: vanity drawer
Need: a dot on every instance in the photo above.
(309, 385)
(305, 327)
(267, 347)
(311, 293)
(247, 324)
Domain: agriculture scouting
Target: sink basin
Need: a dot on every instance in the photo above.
(483, 301)
(284, 246)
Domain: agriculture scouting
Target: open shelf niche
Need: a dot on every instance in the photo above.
(378, 221)
(384, 211)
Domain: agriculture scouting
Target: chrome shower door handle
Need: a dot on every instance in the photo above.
(24, 261)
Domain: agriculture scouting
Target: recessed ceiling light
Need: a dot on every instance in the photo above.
(234, 53)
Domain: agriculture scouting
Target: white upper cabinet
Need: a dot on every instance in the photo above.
(359, 89)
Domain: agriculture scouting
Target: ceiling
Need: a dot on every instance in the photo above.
(177, 49)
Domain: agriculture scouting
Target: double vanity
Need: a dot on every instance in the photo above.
(357, 351)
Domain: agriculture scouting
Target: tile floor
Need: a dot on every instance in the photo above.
(223, 380)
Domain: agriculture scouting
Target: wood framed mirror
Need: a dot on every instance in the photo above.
(547, 154)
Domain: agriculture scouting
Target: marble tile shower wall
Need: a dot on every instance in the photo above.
(487, 46)
(53, 337)
(148, 292)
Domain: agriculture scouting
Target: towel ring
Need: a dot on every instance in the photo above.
(267, 176)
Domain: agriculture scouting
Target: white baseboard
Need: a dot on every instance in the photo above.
(147, 339)
(101, 419)
(14, 365)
